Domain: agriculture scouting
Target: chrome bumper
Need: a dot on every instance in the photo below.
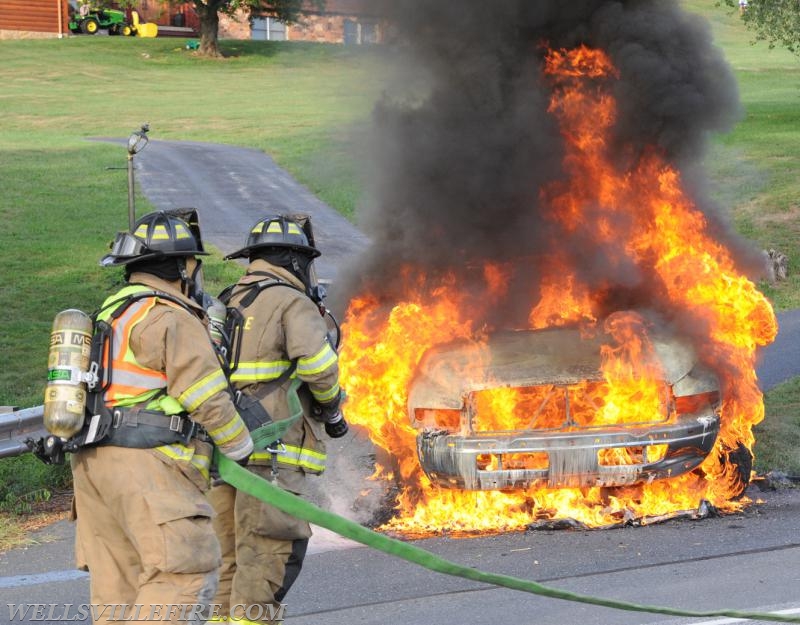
(451, 460)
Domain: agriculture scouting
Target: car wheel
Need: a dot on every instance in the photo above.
(126, 31)
(742, 460)
(90, 26)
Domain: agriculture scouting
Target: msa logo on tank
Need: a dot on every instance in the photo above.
(67, 373)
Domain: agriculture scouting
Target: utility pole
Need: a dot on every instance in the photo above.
(136, 143)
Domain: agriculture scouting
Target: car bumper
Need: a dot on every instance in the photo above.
(572, 458)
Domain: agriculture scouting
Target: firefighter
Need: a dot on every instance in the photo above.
(144, 528)
(283, 336)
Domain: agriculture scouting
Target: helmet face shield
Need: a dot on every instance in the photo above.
(125, 247)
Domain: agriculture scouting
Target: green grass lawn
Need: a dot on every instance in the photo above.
(307, 105)
(778, 435)
(754, 168)
(61, 204)
(299, 102)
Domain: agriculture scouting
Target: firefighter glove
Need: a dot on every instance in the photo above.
(331, 415)
(327, 411)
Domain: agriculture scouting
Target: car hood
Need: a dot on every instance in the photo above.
(448, 372)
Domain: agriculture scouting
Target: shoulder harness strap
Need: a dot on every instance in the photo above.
(234, 324)
(102, 345)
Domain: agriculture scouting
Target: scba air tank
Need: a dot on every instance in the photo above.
(67, 371)
(216, 312)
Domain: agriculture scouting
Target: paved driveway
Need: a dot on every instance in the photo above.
(234, 187)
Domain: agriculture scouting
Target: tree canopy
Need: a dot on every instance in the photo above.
(775, 21)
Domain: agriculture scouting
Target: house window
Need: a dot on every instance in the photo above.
(360, 32)
(369, 32)
(350, 32)
(268, 29)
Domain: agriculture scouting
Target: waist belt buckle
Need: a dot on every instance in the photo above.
(191, 431)
(199, 432)
(188, 429)
(175, 423)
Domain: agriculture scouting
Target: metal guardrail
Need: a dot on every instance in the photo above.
(18, 426)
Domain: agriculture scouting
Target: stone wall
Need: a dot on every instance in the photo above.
(237, 27)
(27, 34)
(318, 28)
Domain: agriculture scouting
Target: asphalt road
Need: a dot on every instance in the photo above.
(747, 561)
(743, 561)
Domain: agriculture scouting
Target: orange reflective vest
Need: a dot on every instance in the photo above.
(131, 383)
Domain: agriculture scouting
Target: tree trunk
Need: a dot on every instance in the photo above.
(209, 29)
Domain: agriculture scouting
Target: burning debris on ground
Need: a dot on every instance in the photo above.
(703, 511)
(542, 168)
(776, 480)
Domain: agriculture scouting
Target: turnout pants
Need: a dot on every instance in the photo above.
(262, 552)
(145, 535)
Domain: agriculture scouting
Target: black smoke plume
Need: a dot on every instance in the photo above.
(463, 143)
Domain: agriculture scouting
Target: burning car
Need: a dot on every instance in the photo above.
(492, 233)
(552, 408)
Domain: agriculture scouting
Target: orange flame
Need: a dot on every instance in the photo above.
(641, 220)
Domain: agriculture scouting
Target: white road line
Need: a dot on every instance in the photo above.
(17, 581)
(728, 621)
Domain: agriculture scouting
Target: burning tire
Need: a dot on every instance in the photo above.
(741, 459)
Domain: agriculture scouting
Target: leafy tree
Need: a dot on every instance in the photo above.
(774, 21)
(208, 11)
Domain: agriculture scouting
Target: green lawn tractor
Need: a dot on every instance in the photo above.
(96, 19)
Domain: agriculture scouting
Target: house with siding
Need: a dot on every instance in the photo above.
(340, 21)
(33, 18)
